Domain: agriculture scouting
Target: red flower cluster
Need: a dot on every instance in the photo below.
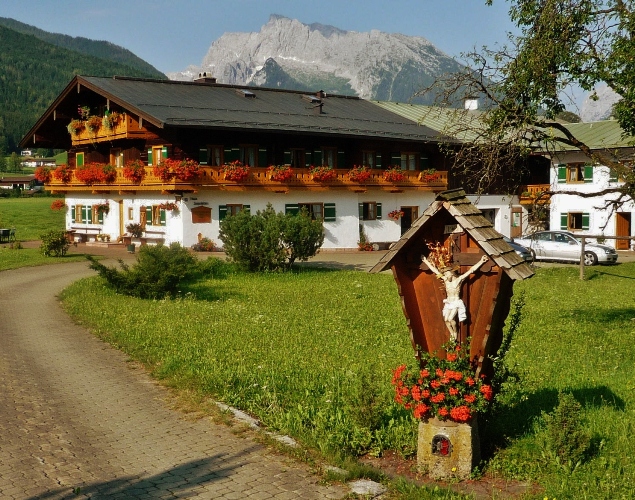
(280, 173)
(58, 204)
(235, 171)
(359, 174)
(134, 170)
(96, 173)
(394, 174)
(42, 174)
(63, 173)
(395, 214)
(186, 170)
(323, 173)
(442, 388)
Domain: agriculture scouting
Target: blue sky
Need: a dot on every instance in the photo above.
(172, 34)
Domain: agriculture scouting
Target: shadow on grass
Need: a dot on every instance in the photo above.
(606, 315)
(513, 422)
(180, 481)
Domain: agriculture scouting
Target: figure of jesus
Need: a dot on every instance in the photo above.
(453, 305)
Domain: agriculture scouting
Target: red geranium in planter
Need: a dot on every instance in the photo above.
(394, 174)
(235, 171)
(134, 170)
(63, 173)
(359, 174)
(323, 173)
(186, 170)
(280, 173)
(43, 174)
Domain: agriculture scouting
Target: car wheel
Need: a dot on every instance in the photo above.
(590, 259)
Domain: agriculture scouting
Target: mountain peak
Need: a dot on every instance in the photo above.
(372, 65)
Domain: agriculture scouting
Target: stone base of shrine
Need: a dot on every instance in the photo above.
(448, 449)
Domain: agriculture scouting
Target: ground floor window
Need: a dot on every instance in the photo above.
(317, 211)
(231, 209)
(369, 210)
(87, 214)
(153, 216)
(574, 221)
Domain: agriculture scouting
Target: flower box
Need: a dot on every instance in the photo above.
(359, 174)
(280, 173)
(235, 171)
(323, 174)
(394, 174)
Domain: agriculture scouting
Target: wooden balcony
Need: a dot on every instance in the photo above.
(532, 194)
(259, 179)
(126, 127)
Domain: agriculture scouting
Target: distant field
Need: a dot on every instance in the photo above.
(30, 216)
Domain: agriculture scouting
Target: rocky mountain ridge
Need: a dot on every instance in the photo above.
(285, 52)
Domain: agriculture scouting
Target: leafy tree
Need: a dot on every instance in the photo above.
(15, 163)
(269, 241)
(3, 161)
(560, 45)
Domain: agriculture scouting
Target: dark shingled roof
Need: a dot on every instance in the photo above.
(192, 104)
(472, 221)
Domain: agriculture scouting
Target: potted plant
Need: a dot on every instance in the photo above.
(359, 174)
(235, 171)
(134, 170)
(186, 170)
(280, 173)
(63, 173)
(394, 174)
(75, 127)
(323, 173)
(93, 124)
(395, 215)
(136, 231)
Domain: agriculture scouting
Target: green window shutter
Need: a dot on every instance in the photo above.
(612, 175)
(378, 210)
(424, 162)
(588, 173)
(562, 174)
(262, 158)
(317, 158)
(247, 208)
(291, 208)
(341, 159)
(89, 215)
(149, 157)
(100, 217)
(564, 221)
(148, 216)
(286, 159)
(162, 217)
(585, 221)
(361, 211)
(203, 156)
(222, 212)
(79, 160)
(73, 215)
(329, 212)
(164, 152)
(378, 160)
(395, 159)
(308, 158)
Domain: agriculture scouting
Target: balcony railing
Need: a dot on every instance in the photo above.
(535, 193)
(125, 127)
(260, 178)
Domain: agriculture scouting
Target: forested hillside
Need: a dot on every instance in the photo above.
(33, 73)
(97, 48)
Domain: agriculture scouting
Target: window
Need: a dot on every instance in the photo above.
(130, 213)
(201, 215)
(248, 155)
(79, 159)
(157, 154)
(231, 209)
(153, 216)
(369, 210)
(369, 159)
(211, 155)
(329, 157)
(87, 214)
(408, 161)
(574, 221)
(575, 173)
(116, 157)
(317, 211)
(298, 158)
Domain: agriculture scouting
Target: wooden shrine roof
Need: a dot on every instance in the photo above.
(472, 222)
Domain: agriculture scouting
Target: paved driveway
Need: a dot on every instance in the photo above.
(74, 413)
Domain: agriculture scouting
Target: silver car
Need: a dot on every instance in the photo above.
(563, 245)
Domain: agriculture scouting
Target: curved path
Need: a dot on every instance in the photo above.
(77, 420)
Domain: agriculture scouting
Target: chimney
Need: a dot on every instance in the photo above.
(471, 103)
(203, 78)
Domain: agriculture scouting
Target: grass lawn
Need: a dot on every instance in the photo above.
(30, 216)
(12, 259)
(310, 353)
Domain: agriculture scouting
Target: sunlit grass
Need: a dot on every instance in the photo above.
(26, 257)
(30, 217)
(310, 353)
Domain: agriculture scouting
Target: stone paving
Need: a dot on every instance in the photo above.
(78, 420)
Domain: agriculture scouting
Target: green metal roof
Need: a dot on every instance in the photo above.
(599, 135)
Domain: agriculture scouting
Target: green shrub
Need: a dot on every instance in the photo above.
(269, 241)
(567, 440)
(54, 243)
(158, 272)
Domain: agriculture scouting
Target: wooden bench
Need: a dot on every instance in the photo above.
(81, 234)
(155, 237)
